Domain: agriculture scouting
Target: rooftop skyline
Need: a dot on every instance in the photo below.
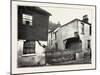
(64, 15)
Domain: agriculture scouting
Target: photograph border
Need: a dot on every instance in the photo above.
(50, 3)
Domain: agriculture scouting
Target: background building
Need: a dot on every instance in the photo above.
(75, 36)
(52, 35)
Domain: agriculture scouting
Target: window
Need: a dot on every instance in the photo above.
(90, 29)
(88, 45)
(82, 28)
(55, 36)
(29, 47)
(56, 44)
(51, 35)
(51, 41)
(27, 19)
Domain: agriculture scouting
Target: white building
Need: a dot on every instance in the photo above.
(31, 57)
(74, 36)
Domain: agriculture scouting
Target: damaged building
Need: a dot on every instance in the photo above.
(74, 36)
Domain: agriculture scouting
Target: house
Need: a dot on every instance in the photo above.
(73, 36)
(31, 20)
(32, 35)
(52, 35)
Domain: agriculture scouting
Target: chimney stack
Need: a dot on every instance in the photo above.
(58, 24)
(85, 18)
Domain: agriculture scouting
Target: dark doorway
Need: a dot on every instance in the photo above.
(73, 43)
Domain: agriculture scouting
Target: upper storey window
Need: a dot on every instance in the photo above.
(27, 19)
(82, 28)
(90, 29)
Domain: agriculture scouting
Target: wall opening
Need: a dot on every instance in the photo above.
(29, 47)
(88, 44)
(73, 43)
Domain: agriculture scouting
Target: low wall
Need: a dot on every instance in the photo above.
(58, 56)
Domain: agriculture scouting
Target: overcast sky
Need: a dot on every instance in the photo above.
(65, 15)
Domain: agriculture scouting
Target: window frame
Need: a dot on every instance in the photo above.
(82, 28)
(89, 44)
(30, 48)
(27, 17)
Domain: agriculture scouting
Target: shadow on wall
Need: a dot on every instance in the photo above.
(73, 43)
(30, 61)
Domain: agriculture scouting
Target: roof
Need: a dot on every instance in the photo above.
(75, 20)
(34, 8)
(54, 30)
(53, 27)
(69, 23)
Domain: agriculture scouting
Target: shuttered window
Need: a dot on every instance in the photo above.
(27, 19)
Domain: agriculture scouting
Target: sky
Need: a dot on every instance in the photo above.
(66, 14)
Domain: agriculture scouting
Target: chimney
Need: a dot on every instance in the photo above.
(58, 24)
(85, 18)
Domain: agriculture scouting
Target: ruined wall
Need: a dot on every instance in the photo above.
(66, 32)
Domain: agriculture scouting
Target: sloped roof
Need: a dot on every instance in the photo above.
(53, 26)
(34, 9)
(71, 22)
(75, 20)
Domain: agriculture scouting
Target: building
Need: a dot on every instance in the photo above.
(30, 22)
(32, 35)
(52, 36)
(73, 36)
